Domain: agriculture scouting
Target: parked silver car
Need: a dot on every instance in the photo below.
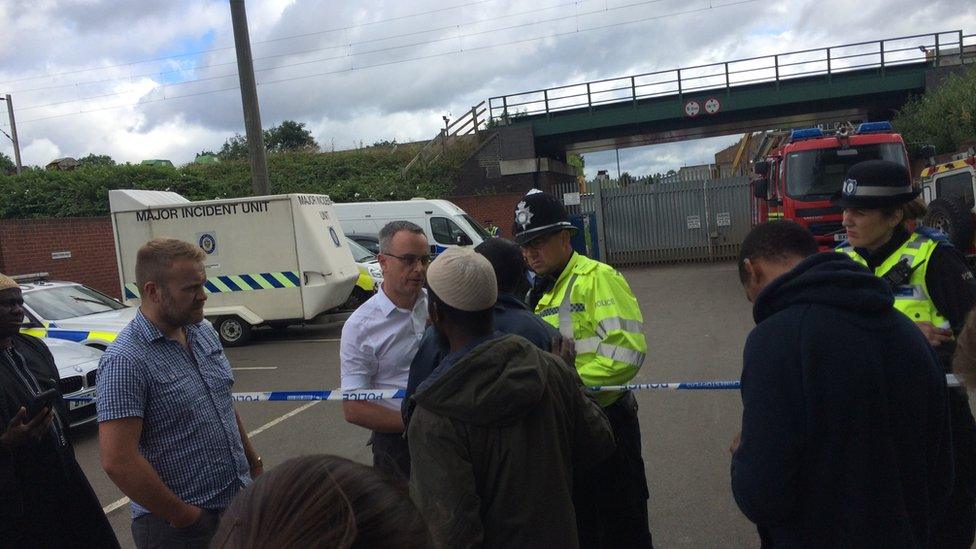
(78, 368)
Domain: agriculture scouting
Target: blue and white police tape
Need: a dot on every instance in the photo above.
(386, 394)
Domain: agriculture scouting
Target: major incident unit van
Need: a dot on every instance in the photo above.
(444, 223)
(271, 260)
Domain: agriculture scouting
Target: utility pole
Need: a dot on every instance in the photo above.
(249, 96)
(13, 132)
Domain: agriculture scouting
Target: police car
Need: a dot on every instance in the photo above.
(370, 274)
(78, 368)
(71, 311)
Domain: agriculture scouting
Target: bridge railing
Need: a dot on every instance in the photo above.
(937, 49)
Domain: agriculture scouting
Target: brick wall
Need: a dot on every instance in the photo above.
(26, 246)
(497, 208)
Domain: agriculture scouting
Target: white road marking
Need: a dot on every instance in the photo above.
(256, 368)
(113, 506)
(124, 501)
(274, 422)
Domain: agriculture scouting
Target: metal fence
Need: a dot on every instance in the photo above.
(704, 220)
(936, 49)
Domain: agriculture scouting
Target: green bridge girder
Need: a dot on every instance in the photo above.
(876, 91)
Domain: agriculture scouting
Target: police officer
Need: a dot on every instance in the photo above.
(591, 303)
(934, 287)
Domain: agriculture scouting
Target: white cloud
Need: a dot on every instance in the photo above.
(379, 73)
(39, 152)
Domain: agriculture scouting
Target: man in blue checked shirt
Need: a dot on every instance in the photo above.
(170, 437)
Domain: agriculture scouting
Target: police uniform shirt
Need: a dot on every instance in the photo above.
(948, 279)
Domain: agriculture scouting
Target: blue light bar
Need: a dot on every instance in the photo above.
(806, 133)
(874, 127)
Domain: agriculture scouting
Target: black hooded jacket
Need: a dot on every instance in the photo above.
(845, 428)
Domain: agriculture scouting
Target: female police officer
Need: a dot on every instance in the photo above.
(934, 287)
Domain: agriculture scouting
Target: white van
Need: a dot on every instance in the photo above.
(446, 225)
(271, 260)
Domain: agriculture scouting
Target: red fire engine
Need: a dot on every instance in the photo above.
(796, 179)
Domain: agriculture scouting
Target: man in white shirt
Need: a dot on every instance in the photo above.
(381, 338)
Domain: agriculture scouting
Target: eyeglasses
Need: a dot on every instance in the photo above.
(411, 259)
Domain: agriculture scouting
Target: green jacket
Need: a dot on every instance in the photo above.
(494, 443)
(602, 316)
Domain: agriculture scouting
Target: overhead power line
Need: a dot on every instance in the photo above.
(417, 58)
(223, 48)
(451, 38)
(347, 46)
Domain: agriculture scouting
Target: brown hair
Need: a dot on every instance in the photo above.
(156, 257)
(914, 209)
(322, 501)
(911, 211)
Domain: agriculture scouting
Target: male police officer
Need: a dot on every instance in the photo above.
(591, 303)
(933, 287)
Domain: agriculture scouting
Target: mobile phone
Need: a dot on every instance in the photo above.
(41, 401)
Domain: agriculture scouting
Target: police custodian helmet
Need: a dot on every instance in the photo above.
(539, 214)
(875, 184)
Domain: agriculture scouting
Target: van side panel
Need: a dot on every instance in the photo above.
(370, 217)
(326, 264)
(251, 256)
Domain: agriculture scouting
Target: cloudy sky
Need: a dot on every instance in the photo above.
(139, 79)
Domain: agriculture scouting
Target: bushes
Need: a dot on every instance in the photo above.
(366, 174)
(944, 117)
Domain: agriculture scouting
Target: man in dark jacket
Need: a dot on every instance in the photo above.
(845, 429)
(45, 499)
(510, 315)
(499, 427)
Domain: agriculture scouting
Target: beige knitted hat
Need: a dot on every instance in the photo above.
(463, 279)
(6, 282)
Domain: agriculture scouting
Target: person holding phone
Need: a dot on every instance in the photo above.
(45, 499)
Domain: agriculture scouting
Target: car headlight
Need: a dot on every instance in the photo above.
(375, 271)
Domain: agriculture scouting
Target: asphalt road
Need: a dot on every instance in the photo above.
(696, 320)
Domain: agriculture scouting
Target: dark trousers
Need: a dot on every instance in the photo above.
(611, 498)
(154, 532)
(957, 526)
(391, 454)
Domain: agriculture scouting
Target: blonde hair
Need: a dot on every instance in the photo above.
(155, 258)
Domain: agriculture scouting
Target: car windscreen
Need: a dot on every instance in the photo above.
(816, 174)
(63, 302)
(478, 229)
(359, 253)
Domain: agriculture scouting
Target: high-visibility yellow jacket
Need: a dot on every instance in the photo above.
(592, 304)
(911, 298)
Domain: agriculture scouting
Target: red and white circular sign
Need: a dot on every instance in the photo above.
(712, 105)
(692, 108)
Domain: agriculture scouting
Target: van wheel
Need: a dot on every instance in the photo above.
(233, 331)
(951, 216)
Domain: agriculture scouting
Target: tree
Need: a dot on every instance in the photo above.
(93, 160)
(577, 162)
(289, 136)
(7, 165)
(234, 148)
(944, 117)
(626, 179)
